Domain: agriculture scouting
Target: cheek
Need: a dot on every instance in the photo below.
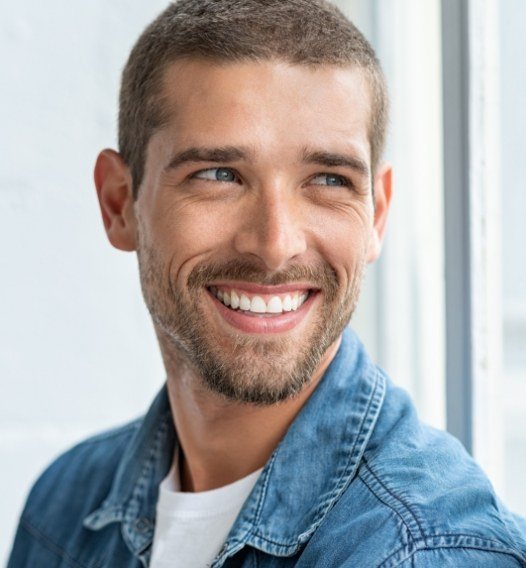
(342, 242)
(190, 235)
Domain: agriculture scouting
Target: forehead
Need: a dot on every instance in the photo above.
(267, 104)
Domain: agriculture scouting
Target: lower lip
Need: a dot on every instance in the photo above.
(254, 323)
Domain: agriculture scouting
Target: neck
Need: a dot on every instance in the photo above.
(222, 441)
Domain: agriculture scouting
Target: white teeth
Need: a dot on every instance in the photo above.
(295, 302)
(234, 300)
(244, 303)
(258, 305)
(274, 305)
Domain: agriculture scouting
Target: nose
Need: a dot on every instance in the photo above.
(272, 230)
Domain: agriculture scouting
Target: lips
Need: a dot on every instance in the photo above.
(262, 313)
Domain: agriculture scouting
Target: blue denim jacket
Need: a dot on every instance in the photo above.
(357, 481)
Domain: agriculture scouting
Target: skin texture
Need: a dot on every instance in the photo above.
(285, 211)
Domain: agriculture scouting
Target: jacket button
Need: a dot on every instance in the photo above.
(142, 525)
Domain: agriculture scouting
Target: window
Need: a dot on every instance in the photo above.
(445, 309)
(512, 42)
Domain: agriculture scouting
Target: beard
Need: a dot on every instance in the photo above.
(239, 367)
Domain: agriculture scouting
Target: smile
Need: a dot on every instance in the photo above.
(274, 304)
(252, 309)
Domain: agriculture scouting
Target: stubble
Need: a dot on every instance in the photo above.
(240, 367)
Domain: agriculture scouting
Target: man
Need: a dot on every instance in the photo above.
(249, 180)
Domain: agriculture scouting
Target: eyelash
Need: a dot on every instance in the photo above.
(346, 182)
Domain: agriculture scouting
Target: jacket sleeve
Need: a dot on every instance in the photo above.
(462, 558)
(30, 551)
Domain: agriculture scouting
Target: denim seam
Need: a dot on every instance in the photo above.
(259, 507)
(345, 477)
(52, 547)
(141, 482)
(251, 530)
(369, 469)
(137, 493)
(409, 533)
(418, 548)
(364, 430)
(497, 543)
(295, 546)
(325, 506)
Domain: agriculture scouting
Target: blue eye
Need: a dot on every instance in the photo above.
(332, 180)
(217, 174)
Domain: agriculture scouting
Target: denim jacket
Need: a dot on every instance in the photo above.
(357, 481)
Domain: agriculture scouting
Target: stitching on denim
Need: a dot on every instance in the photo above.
(150, 458)
(340, 484)
(484, 548)
(261, 502)
(395, 497)
(498, 543)
(51, 546)
(411, 537)
(343, 480)
(141, 478)
(134, 497)
(295, 547)
(353, 459)
(491, 546)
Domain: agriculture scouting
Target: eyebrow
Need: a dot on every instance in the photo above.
(235, 153)
(332, 160)
(195, 154)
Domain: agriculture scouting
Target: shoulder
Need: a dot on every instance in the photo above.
(454, 557)
(418, 499)
(74, 485)
(444, 504)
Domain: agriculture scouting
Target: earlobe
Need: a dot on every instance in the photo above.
(114, 191)
(383, 190)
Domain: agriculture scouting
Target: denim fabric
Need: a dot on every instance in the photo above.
(357, 481)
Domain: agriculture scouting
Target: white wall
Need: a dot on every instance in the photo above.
(77, 348)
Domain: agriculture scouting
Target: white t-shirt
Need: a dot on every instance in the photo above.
(191, 528)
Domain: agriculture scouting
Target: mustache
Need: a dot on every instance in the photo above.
(319, 276)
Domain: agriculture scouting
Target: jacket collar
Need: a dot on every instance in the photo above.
(304, 478)
(145, 463)
(316, 460)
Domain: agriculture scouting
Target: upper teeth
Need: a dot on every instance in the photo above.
(257, 305)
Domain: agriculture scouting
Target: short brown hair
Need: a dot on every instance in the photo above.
(308, 32)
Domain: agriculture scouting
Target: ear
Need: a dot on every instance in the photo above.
(382, 197)
(114, 190)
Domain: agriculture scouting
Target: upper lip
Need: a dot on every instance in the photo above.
(262, 288)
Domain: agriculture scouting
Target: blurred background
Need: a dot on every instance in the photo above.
(444, 311)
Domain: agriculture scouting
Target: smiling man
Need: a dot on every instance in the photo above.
(249, 181)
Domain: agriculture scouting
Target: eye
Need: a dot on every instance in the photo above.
(333, 180)
(217, 174)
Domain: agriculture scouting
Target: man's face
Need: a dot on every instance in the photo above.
(255, 220)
